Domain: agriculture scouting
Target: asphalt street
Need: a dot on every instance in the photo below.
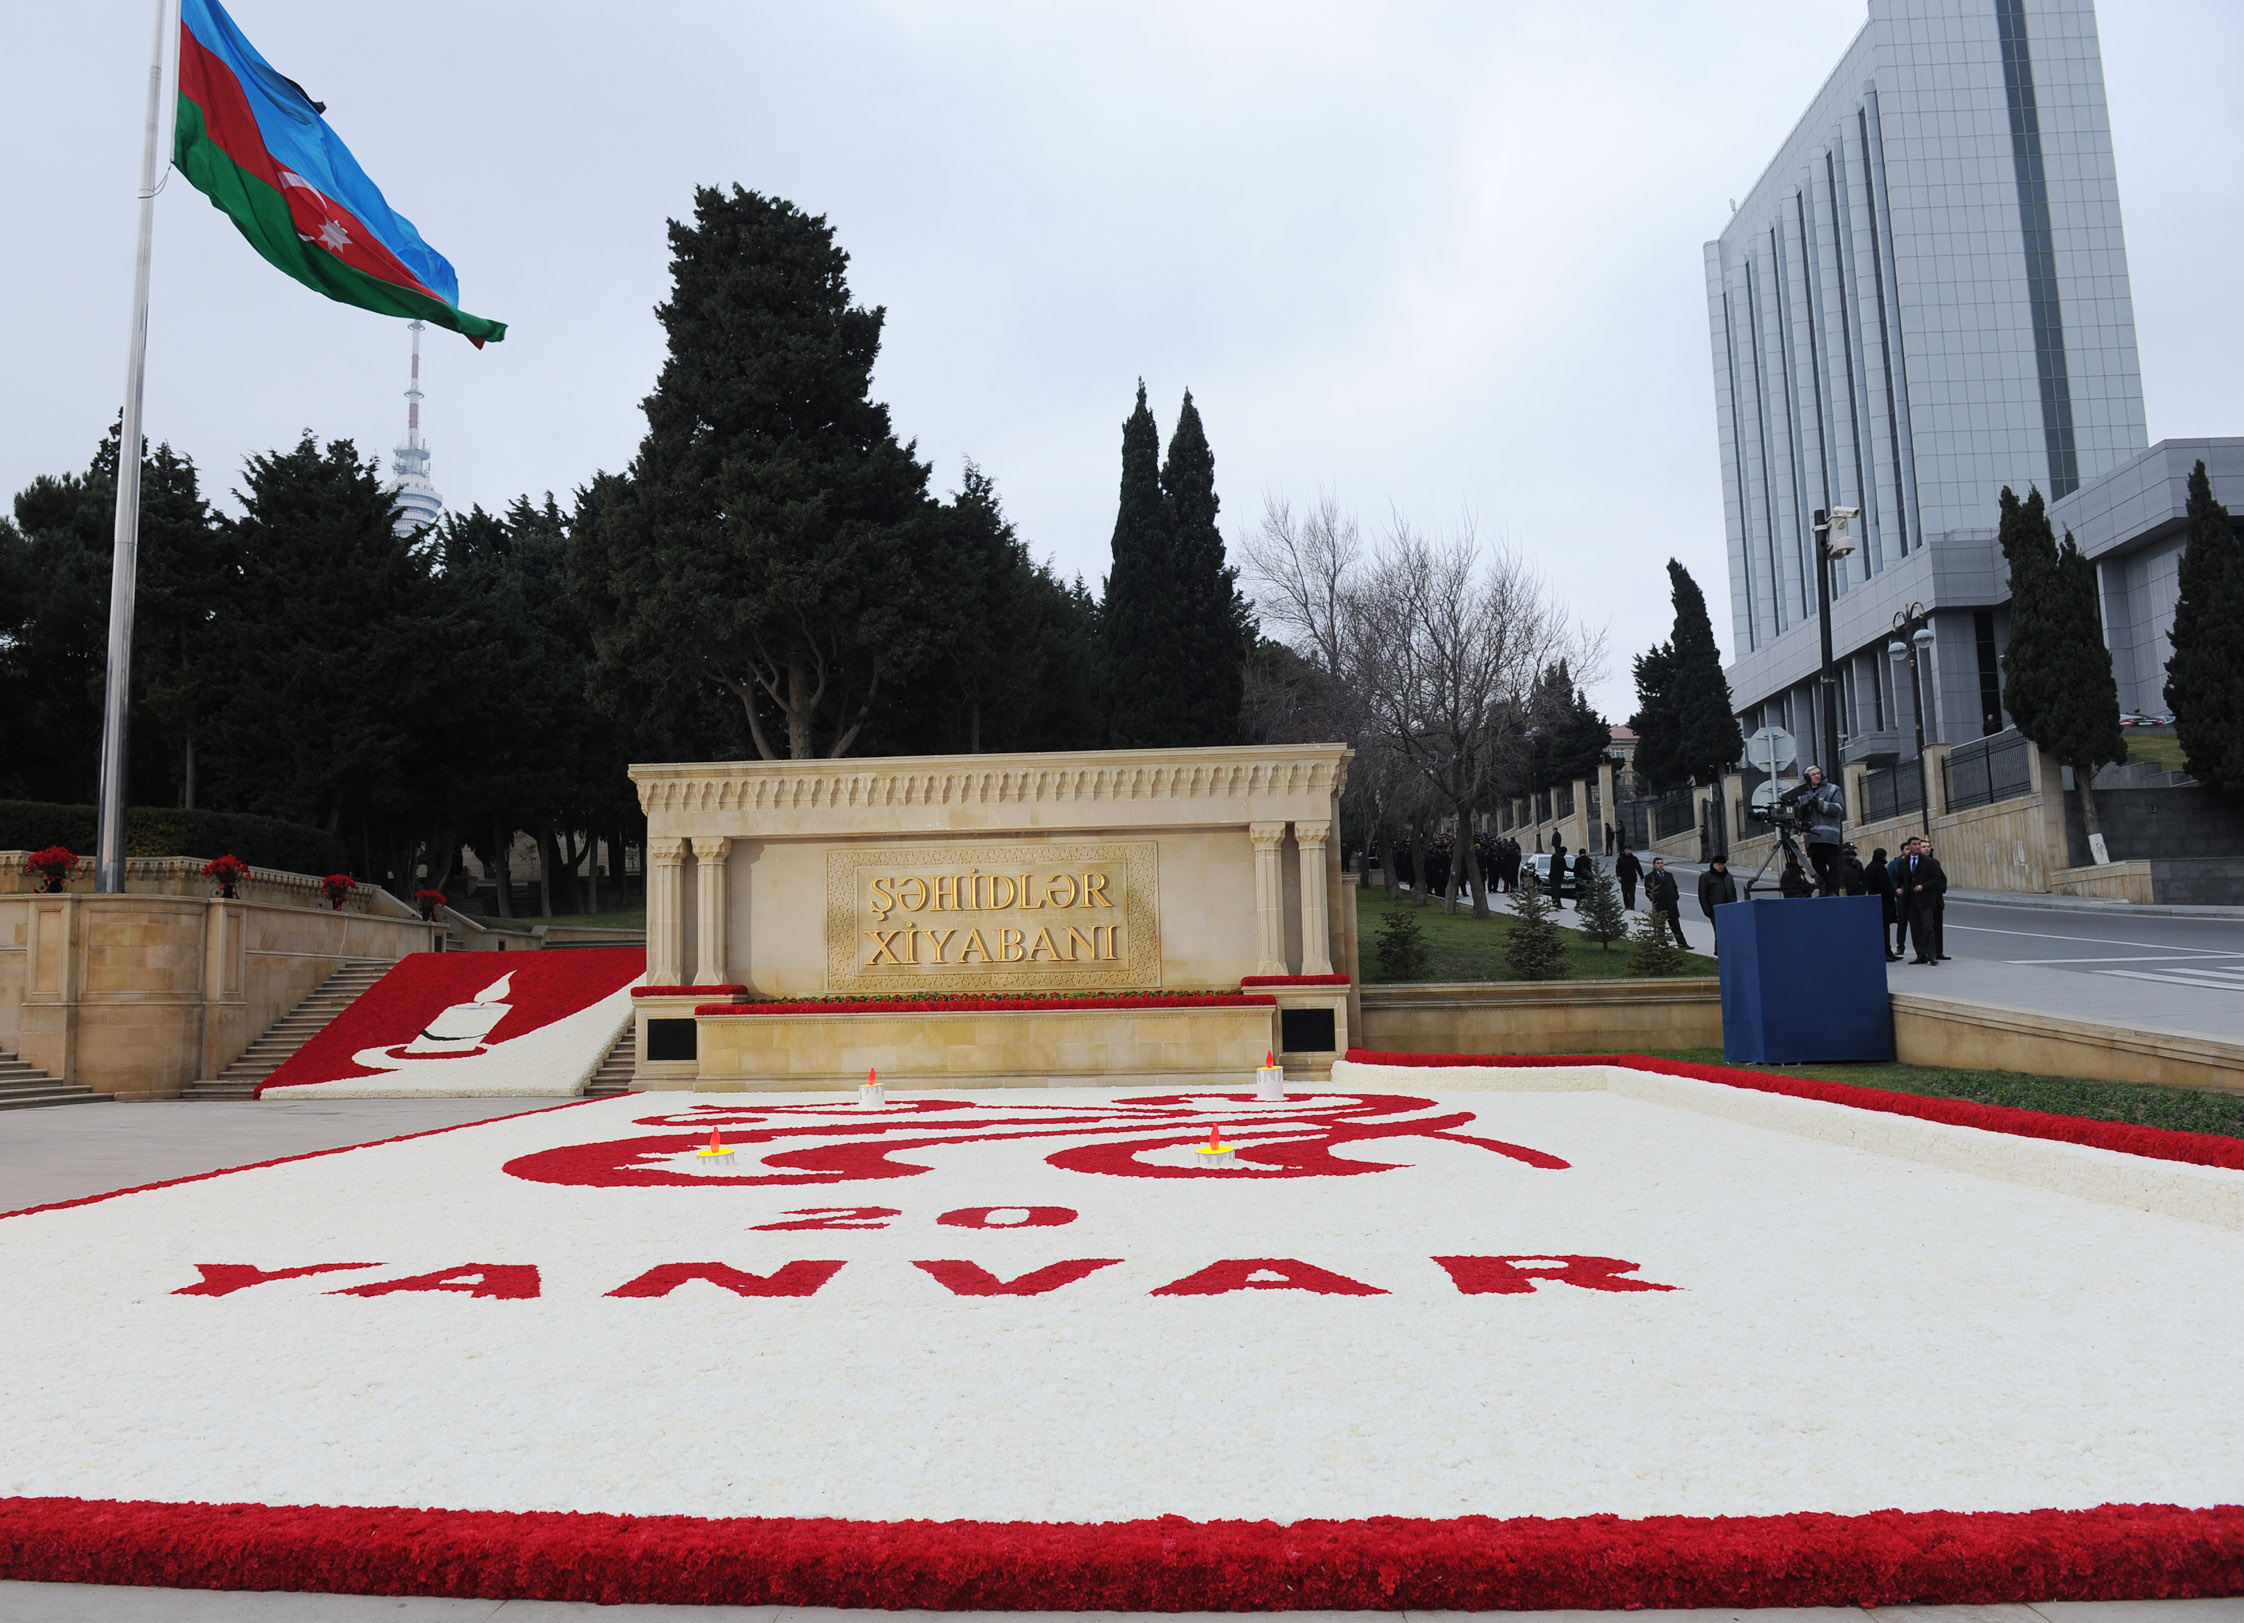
(2149, 968)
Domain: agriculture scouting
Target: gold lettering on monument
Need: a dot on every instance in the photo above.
(1012, 918)
(895, 902)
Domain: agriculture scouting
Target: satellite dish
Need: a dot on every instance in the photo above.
(1772, 749)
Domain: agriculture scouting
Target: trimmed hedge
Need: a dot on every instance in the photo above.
(162, 831)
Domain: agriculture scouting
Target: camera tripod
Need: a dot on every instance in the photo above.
(1785, 846)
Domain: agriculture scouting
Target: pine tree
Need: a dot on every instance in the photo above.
(1659, 734)
(1534, 948)
(1653, 950)
(2057, 674)
(1211, 623)
(1401, 947)
(2205, 676)
(1604, 920)
(763, 542)
(1143, 651)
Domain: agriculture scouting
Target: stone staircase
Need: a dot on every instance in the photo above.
(290, 1032)
(614, 1075)
(24, 1088)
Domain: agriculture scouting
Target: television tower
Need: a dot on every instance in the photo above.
(417, 505)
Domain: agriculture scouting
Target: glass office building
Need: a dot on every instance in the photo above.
(1923, 299)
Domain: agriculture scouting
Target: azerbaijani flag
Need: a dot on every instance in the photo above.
(255, 145)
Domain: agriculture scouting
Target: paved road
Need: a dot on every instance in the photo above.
(2104, 961)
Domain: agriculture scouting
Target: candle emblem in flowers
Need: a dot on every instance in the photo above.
(872, 1093)
(1215, 1153)
(1270, 1081)
(460, 1030)
(714, 1159)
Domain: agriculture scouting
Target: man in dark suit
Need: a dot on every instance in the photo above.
(1919, 884)
(1558, 871)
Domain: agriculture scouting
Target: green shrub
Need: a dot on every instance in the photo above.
(1533, 949)
(1402, 946)
(1653, 950)
(1604, 919)
(162, 831)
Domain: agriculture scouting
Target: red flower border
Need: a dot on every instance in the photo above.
(1293, 980)
(2155, 1143)
(996, 1005)
(684, 991)
(1471, 1563)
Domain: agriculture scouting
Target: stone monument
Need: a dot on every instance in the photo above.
(1143, 916)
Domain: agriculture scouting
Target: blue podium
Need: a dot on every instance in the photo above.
(1804, 980)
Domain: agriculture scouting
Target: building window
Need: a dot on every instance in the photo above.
(1990, 673)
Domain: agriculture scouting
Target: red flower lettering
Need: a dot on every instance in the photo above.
(1516, 1276)
(790, 1279)
(1246, 1274)
(513, 1281)
(225, 1278)
(972, 1279)
(984, 1217)
(832, 1217)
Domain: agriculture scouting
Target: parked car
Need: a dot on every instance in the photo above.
(1539, 864)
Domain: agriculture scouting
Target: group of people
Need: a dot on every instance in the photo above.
(1915, 889)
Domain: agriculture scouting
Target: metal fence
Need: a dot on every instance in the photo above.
(1634, 819)
(1675, 812)
(1894, 792)
(1562, 800)
(1986, 770)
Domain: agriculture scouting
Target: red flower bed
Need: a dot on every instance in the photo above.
(686, 991)
(1293, 980)
(2157, 1143)
(1472, 1563)
(967, 1003)
(542, 987)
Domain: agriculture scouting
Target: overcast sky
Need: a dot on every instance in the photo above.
(1437, 260)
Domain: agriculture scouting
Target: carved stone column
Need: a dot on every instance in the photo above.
(666, 912)
(1269, 897)
(709, 908)
(1316, 916)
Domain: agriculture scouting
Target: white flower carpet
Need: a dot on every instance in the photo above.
(1548, 1298)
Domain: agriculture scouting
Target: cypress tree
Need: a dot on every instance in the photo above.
(1143, 653)
(1686, 731)
(1204, 604)
(1708, 734)
(2205, 676)
(2057, 673)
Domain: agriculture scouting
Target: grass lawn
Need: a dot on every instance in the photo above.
(629, 918)
(1463, 948)
(2161, 748)
(2187, 1109)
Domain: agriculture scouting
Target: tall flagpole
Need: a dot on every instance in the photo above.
(109, 850)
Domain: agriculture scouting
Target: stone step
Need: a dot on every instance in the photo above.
(25, 1087)
(614, 1075)
(218, 1088)
(277, 1043)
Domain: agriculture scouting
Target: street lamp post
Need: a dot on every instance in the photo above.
(1912, 634)
(1834, 539)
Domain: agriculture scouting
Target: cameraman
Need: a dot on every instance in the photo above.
(1823, 810)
